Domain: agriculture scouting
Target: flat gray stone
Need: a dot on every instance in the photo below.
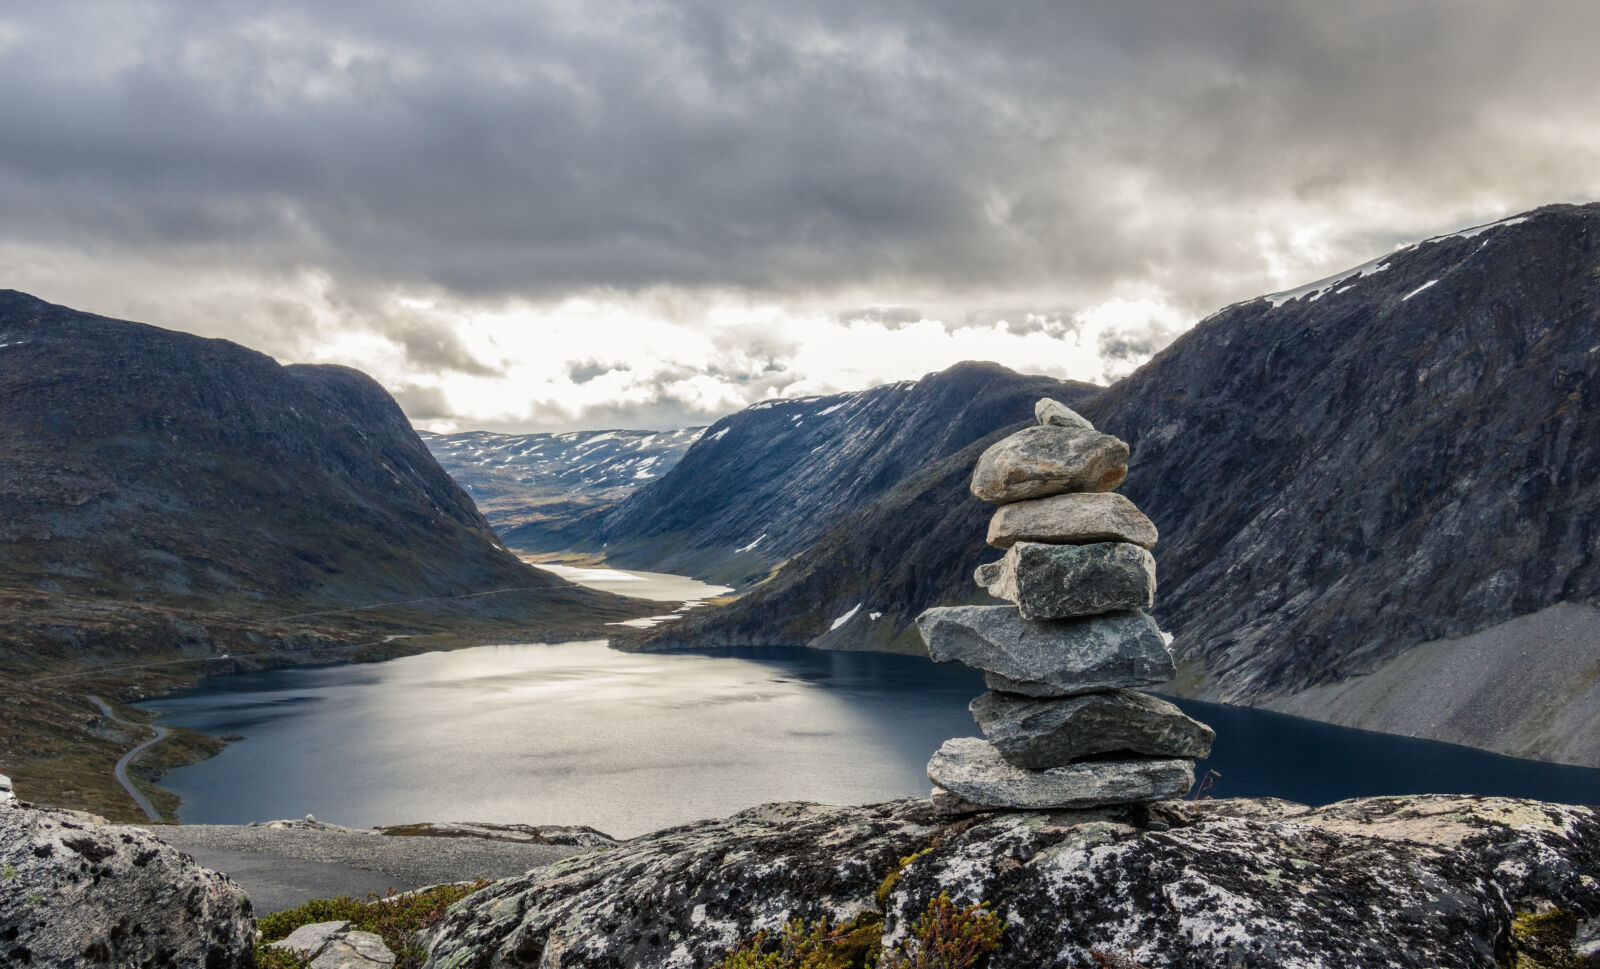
(308, 940)
(1075, 519)
(1048, 411)
(1061, 581)
(985, 575)
(1040, 733)
(1049, 460)
(355, 950)
(335, 945)
(1049, 657)
(973, 770)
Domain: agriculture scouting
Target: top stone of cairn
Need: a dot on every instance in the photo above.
(1062, 454)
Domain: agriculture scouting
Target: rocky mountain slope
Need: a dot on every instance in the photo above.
(764, 484)
(1379, 882)
(534, 488)
(165, 497)
(1403, 454)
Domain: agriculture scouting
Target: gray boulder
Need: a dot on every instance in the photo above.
(1049, 460)
(1048, 411)
(1062, 581)
(1075, 519)
(1049, 657)
(75, 891)
(335, 945)
(974, 771)
(1034, 733)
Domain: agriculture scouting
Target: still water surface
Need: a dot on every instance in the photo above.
(577, 733)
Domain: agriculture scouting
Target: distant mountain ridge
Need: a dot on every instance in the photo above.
(534, 489)
(765, 483)
(1403, 454)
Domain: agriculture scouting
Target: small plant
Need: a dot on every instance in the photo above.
(947, 937)
(815, 946)
(1206, 783)
(394, 917)
(944, 937)
(8, 871)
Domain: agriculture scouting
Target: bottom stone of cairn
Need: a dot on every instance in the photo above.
(974, 777)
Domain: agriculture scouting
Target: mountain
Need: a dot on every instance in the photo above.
(764, 484)
(171, 505)
(532, 488)
(1377, 500)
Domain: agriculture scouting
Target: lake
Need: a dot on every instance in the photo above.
(577, 733)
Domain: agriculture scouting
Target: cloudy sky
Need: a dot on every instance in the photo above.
(549, 214)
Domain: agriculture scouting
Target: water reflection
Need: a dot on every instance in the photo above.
(577, 733)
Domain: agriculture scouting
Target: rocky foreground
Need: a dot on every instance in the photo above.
(1404, 881)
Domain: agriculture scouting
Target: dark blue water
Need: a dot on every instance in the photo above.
(580, 734)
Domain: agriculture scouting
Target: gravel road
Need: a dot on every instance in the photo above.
(283, 867)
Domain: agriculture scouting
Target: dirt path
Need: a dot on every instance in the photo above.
(121, 770)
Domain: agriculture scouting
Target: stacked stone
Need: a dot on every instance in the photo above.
(1064, 727)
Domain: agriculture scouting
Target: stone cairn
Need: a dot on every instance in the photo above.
(1064, 728)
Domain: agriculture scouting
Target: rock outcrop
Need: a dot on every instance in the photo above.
(77, 892)
(1378, 882)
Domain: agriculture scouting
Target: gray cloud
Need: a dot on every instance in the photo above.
(1029, 154)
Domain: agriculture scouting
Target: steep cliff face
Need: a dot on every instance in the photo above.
(764, 484)
(1388, 458)
(1379, 882)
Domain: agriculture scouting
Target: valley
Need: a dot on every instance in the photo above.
(1352, 480)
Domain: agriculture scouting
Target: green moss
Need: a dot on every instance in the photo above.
(886, 887)
(946, 936)
(1544, 940)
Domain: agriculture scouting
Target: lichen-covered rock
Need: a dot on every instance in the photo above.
(1367, 884)
(1049, 657)
(1048, 411)
(974, 771)
(680, 897)
(1075, 519)
(1062, 581)
(77, 892)
(1038, 733)
(1049, 460)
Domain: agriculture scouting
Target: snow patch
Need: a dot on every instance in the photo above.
(844, 618)
(720, 434)
(874, 616)
(829, 410)
(1317, 289)
(1418, 290)
(752, 545)
(1480, 229)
